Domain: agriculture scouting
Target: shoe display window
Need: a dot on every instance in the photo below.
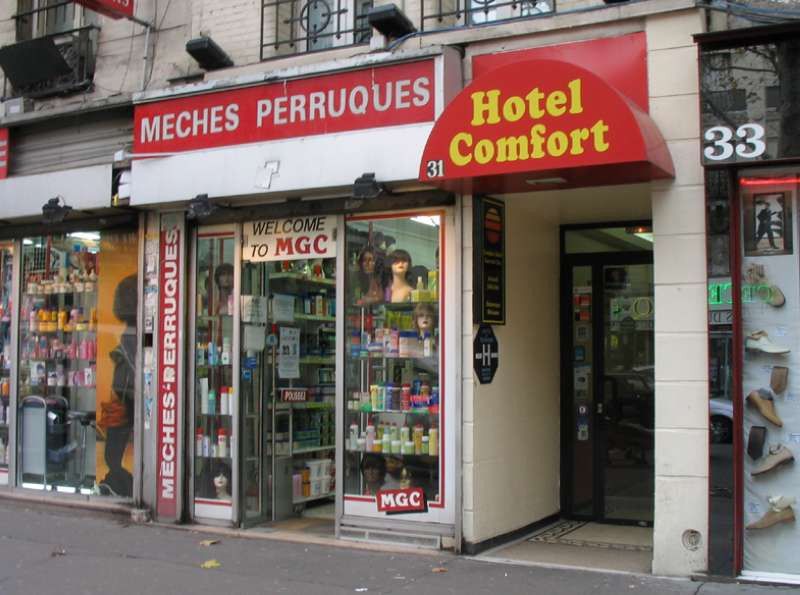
(394, 394)
(77, 362)
(770, 326)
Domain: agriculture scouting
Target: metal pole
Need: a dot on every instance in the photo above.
(148, 27)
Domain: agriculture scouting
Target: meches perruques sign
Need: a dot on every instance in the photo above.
(363, 99)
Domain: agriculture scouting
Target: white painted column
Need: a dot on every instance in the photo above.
(681, 331)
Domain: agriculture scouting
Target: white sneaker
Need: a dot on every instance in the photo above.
(759, 341)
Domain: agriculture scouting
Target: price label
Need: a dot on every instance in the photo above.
(754, 508)
(781, 331)
(794, 438)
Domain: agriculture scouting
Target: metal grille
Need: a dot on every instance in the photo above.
(441, 14)
(53, 21)
(294, 26)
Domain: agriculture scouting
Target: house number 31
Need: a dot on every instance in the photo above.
(723, 145)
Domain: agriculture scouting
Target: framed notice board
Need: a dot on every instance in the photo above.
(489, 267)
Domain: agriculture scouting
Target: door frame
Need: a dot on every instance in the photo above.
(595, 260)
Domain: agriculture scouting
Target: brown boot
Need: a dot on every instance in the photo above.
(773, 517)
(761, 399)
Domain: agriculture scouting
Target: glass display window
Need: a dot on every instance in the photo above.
(770, 326)
(394, 398)
(214, 396)
(77, 362)
(6, 364)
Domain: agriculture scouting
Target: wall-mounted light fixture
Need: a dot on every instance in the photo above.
(390, 21)
(366, 186)
(200, 207)
(207, 53)
(55, 211)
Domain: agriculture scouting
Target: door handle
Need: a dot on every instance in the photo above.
(600, 408)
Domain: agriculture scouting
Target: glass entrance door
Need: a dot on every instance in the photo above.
(627, 414)
(288, 382)
(609, 391)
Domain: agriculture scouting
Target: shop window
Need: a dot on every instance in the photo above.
(486, 11)
(36, 18)
(77, 362)
(393, 388)
(6, 364)
(748, 94)
(770, 391)
(214, 396)
(292, 26)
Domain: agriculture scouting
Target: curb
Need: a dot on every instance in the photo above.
(70, 502)
(303, 539)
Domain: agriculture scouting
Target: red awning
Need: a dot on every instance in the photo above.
(542, 125)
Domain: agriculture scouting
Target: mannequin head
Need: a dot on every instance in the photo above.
(367, 261)
(221, 484)
(400, 263)
(424, 318)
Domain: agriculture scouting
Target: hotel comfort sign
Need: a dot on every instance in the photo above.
(539, 121)
(340, 102)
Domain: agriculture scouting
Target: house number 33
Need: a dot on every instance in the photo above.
(723, 144)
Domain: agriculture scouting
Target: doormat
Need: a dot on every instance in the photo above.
(585, 534)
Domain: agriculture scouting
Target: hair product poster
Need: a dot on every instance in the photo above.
(116, 361)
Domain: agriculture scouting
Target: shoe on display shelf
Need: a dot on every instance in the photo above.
(778, 379)
(778, 455)
(762, 399)
(760, 341)
(755, 276)
(773, 517)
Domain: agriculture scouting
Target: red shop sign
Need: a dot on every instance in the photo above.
(3, 153)
(405, 500)
(167, 408)
(354, 100)
(294, 395)
(116, 9)
(543, 117)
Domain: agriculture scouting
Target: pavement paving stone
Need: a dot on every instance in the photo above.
(46, 550)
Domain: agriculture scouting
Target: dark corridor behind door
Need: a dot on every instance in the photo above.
(607, 385)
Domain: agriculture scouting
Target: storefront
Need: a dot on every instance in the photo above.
(749, 99)
(68, 328)
(318, 371)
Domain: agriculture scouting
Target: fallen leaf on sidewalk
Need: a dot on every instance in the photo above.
(208, 542)
(58, 552)
(361, 589)
(440, 569)
(210, 564)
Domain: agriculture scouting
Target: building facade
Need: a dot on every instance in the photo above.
(441, 274)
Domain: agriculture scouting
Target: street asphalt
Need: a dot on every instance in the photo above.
(49, 550)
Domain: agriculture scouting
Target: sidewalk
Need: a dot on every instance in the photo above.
(51, 550)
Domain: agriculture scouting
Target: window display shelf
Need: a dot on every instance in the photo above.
(214, 415)
(304, 499)
(376, 357)
(416, 457)
(302, 451)
(317, 360)
(314, 318)
(214, 316)
(225, 458)
(303, 405)
(301, 278)
(412, 411)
